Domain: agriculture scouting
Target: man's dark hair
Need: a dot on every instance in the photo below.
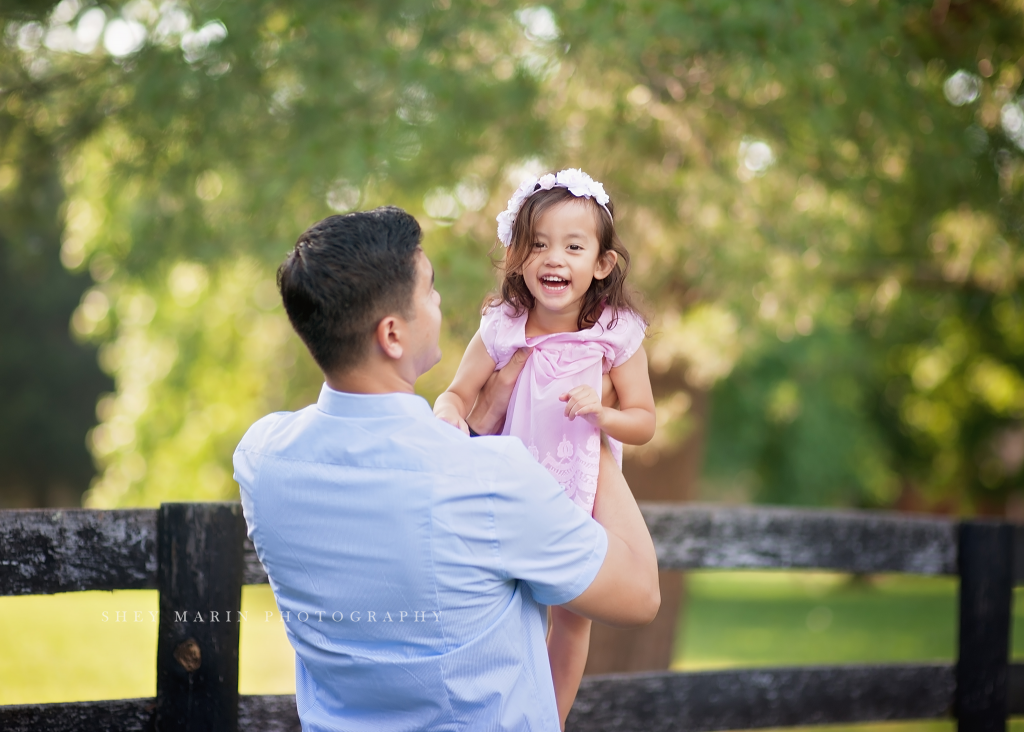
(344, 275)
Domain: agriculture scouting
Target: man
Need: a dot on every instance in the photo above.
(410, 562)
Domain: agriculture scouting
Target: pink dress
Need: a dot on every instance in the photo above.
(560, 362)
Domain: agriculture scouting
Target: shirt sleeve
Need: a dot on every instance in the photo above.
(633, 331)
(246, 460)
(246, 477)
(543, 539)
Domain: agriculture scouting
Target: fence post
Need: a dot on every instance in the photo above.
(986, 595)
(199, 551)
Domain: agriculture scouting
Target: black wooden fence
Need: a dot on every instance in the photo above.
(197, 556)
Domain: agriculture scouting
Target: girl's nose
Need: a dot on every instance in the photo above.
(553, 256)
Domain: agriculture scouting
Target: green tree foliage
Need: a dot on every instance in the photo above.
(48, 383)
(822, 203)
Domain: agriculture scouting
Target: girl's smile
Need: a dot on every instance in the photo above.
(553, 283)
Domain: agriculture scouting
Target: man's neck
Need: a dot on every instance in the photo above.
(371, 378)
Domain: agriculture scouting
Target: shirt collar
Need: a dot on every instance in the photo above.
(347, 404)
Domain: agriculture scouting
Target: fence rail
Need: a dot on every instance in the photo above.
(197, 556)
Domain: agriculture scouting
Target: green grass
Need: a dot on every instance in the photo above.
(60, 648)
(751, 619)
(788, 618)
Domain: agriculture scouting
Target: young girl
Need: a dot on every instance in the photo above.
(563, 295)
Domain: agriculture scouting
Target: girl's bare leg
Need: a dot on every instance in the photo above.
(568, 646)
(568, 633)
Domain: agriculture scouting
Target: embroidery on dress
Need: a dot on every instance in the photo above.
(576, 469)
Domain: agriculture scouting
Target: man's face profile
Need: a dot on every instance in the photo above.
(425, 323)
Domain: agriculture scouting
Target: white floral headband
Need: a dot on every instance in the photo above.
(579, 184)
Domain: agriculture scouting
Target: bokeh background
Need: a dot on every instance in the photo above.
(822, 200)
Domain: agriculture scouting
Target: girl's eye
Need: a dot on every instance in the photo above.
(575, 247)
(538, 244)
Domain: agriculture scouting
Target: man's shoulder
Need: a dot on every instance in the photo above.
(446, 450)
(506, 457)
(449, 445)
(500, 447)
(418, 445)
(262, 432)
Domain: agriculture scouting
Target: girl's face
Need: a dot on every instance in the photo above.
(566, 257)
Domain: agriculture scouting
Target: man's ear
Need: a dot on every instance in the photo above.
(605, 264)
(389, 336)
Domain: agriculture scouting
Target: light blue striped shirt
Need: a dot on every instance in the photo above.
(411, 564)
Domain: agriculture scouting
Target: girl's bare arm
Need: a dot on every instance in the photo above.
(488, 414)
(454, 404)
(634, 421)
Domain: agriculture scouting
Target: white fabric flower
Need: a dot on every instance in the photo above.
(597, 191)
(575, 180)
(505, 221)
(525, 190)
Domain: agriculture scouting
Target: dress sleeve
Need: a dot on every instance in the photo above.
(630, 331)
(499, 334)
(542, 538)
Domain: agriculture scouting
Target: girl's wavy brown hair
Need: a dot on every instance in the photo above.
(608, 292)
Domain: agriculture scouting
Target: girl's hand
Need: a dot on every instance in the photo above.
(449, 414)
(584, 402)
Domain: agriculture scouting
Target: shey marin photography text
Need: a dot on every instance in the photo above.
(238, 616)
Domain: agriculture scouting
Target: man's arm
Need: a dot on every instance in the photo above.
(488, 414)
(605, 570)
(625, 591)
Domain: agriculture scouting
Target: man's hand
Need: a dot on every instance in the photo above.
(488, 414)
(609, 398)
